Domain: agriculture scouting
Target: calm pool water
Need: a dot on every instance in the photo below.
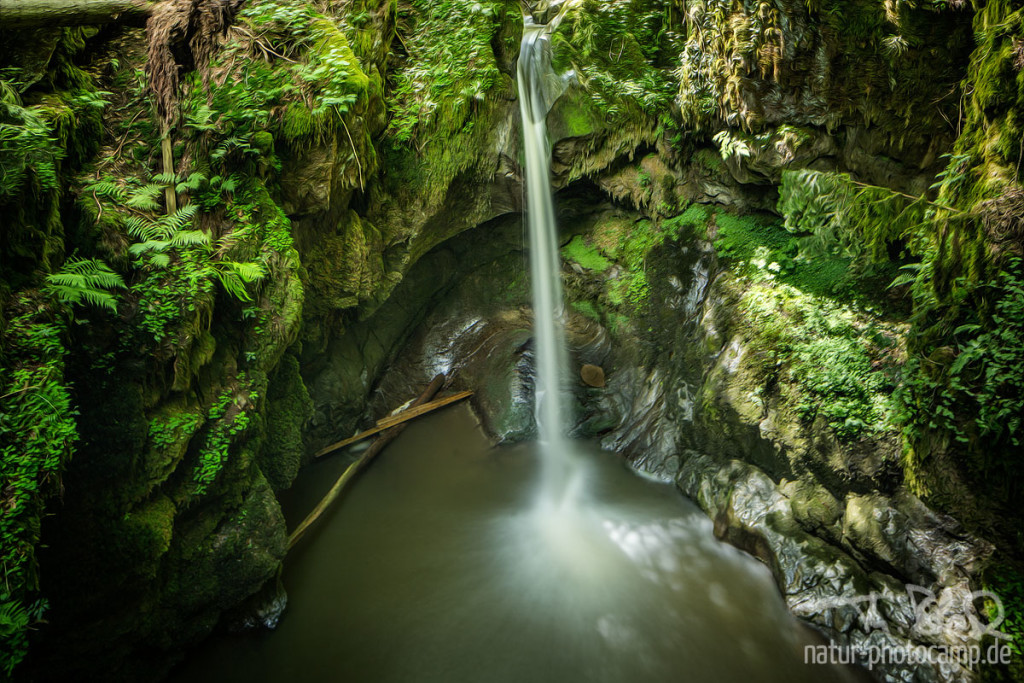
(437, 566)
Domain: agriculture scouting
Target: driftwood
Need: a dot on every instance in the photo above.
(414, 410)
(355, 468)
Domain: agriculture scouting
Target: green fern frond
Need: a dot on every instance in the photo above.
(85, 281)
(76, 295)
(233, 276)
(180, 219)
(145, 197)
(140, 248)
(233, 284)
(248, 271)
(193, 183)
(160, 260)
(190, 238)
(142, 228)
(106, 188)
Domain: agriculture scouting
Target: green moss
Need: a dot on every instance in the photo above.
(708, 159)
(298, 122)
(171, 429)
(760, 243)
(346, 268)
(587, 256)
(451, 67)
(578, 120)
(587, 309)
(288, 408)
(148, 530)
(882, 71)
(628, 243)
(693, 220)
(632, 288)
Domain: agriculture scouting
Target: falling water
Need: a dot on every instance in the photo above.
(560, 476)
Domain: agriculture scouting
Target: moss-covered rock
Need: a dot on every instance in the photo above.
(288, 409)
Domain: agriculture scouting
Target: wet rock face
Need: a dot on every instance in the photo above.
(838, 587)
(854, 553)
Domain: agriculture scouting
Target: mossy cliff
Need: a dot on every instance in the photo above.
(182, 363)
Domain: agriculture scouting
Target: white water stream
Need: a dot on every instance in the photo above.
(562, 477)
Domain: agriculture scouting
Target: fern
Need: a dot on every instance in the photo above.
(142, 248)
(14, 617)
(142, 228)
(189, 238)
(179, 219)
(192, 183)
(853, 218)
(233, 276)
(160, 260)
(106, 188)
(163, 233)
(85, 281)
(145, 197)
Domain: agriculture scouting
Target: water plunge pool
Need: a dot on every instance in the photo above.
(438, 566)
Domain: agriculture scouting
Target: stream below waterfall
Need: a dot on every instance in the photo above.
(435, 567)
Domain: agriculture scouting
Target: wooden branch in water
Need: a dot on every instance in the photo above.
(352, 470)
(387, 422)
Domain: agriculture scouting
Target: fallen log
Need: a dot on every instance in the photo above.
(352, 470)
(18, 14)
(387, 422)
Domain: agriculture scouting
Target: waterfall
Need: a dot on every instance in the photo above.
(551, 358)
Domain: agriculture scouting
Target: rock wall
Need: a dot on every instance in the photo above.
(344, 152)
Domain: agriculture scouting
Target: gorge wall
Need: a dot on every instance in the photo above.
(352, 163)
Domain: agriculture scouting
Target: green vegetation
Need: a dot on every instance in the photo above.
(973, 387)
(587, 309)
(444, 97)
(85, 281)
(804, 316)
(634, 246)
(450, 68)
(299, 62)
(179, 265)
(882, 58)
(37, 435)
(229, 420)
(43, 131)
(757, 243)
(859, 221)
(165, 432)
(840, 361)
(619, 51)
(587, 256)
